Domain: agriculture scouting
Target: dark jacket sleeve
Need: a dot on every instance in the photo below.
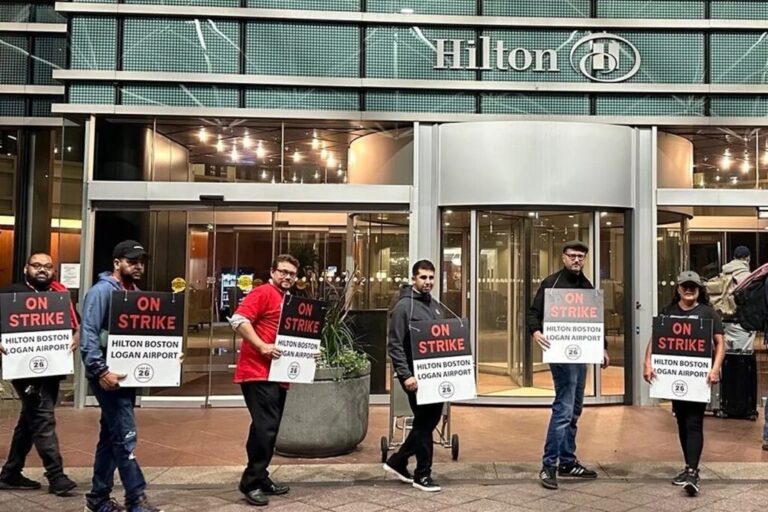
(536, 311)
(398, 330)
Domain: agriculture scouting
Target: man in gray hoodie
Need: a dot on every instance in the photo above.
(736, 337)
(117, 436)
(414, 304)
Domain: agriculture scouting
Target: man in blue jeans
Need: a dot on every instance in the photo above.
(117, 437)
(569, 379)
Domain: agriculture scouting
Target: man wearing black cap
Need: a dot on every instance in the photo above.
(117, 437)
(735, 271)
(569, 379)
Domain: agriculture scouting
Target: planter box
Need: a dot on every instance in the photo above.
(326, 418)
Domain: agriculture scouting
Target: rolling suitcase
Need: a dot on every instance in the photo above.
(738, 386)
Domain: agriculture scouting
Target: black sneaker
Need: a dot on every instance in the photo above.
(691, 484)
(143, 505)
(108, 506)
(548, 477)
(18, 482)
(575, 470)
(402, 474)
(257, 498)
(425, 483)
(271, 488)
(680, 478)
(61, 485)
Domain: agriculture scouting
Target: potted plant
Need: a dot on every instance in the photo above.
(330, 416)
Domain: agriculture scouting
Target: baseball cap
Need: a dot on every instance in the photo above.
(577, 245)
(741, 252)
(689, 276)
(130, 249)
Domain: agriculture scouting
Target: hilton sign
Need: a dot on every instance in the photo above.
(600, 57)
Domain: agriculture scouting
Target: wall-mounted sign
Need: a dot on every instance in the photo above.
(601, 57)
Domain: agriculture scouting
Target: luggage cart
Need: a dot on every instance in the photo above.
(401, 422)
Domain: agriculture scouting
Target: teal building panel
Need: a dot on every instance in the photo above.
(180, 96)
(93, 43)
(420, 101)
(676, 9)
(409, 52)
(739, 9)
(452, 7)
(549, 8)
(15, 12)
(96, 94)
(668, 57)
(314, 5)
(739, 58)
(649, 105)
(198, 45)
(41, 106)
(13, 59)
(303, 98)
(189, 3)
(302, 49)
(11, 106)
(534, 104)
(739, 106)
(50, 53)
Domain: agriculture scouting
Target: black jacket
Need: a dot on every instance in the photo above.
(563, 278)
(411, 306)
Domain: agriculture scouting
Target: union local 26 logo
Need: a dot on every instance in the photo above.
(605, 58)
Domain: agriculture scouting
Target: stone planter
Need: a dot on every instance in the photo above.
(326, 418)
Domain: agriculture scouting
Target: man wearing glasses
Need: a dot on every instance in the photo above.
(256, 320)
(37, 422)
(569, 379)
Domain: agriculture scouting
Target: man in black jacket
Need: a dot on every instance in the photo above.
(415, 304)
(37, 421)
(569, 379)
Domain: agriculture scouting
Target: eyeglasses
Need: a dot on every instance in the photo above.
(286, 273)
(575, 256)
(426, 278)
(38, 266)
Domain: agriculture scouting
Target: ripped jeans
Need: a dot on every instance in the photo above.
(117, 442)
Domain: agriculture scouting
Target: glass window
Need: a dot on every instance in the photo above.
(93, 43)
(612, 282)
(238, 150)
(13, 54)
(9, 165)
(719, 157)
(556, 8)
(50, 53)
(456, 7)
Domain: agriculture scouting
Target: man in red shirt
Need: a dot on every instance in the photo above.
(256, 320)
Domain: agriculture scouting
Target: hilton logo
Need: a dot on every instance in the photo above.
(600, 57)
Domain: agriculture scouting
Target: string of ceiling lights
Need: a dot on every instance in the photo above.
(238, 147)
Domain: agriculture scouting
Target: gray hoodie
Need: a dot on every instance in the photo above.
(410, 307)
(95, 323)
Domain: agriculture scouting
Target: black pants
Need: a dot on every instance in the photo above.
(690, 427)
(36, 426)
(265, 401)
(419, 441)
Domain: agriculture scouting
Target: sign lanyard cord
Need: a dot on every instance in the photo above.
(410, 315)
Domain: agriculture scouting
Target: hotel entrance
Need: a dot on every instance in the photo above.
(222, 252)
(500, 257)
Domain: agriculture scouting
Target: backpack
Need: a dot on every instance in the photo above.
(749, 297)
(720, 290)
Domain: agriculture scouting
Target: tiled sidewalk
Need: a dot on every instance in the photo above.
(731, 487)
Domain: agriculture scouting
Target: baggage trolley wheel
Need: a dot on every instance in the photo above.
(455, 446)
(753, 417)
(719, 413)
(384, 442)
